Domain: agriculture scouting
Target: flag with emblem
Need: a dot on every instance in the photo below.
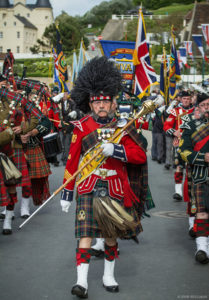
(145, 75)
(164, 72)
(62, 65)
(174, 69)
(56, 71)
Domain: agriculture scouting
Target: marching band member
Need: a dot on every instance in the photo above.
(39, 169)
(194, 149)
(172, 128)
(107, 202)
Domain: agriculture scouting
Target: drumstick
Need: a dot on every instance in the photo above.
(58, 121)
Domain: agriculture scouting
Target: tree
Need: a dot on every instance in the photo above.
(71, 32)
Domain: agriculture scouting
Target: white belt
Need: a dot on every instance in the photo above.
(105, 172)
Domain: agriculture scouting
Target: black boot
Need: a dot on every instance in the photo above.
(79, 291)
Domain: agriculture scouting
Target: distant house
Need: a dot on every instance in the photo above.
(192, 23)
(21, 24)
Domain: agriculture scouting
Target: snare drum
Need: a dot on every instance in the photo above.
(52, 144)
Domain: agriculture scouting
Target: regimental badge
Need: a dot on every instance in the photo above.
(193, 209)
(69, 157)
(184, 154)
(181, 142)
(74, 138)
(81, 215)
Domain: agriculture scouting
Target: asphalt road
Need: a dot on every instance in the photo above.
(38, 261)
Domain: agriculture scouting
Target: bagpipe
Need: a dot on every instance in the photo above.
(93, 158)
(11, 175)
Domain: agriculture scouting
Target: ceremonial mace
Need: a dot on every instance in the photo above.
(147, 107)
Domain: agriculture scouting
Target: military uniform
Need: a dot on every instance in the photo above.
(172, 124)
(193, 146)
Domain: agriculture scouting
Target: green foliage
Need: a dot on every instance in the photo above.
(71, 33)
(100, 14)
(35, 67)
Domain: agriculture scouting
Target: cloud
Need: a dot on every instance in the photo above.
(72, 7)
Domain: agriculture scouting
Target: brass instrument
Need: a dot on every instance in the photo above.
(147, 107)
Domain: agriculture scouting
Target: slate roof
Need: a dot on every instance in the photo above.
(26, 22)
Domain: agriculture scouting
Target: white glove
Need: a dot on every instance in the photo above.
(73, 114)
(108, 149)
(57, 98)
(161, 108)
(65, 205)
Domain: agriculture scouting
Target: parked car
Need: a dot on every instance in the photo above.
(135, 11)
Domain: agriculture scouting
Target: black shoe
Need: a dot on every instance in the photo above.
(159, 161)
(56, 164)
(79, 291)
(135, 239)
(97, 253)
(112, 289)
(167, 167)
(153, 158)
(7, 231)
(2, 217)
(201, 257)
(192, 234)
(177, 197)
(25, 216)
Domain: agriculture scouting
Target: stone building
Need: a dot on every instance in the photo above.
(21, 24)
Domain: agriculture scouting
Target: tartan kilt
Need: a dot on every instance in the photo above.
(89, 227)
(21, 164)
(4, 195)
(201, 194)
(39, 167)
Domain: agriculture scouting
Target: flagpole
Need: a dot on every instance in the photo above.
(203, 61)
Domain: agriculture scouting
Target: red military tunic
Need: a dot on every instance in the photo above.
(115, 168)
(174, 121)
(50, 110)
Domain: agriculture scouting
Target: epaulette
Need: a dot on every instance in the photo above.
(78, 123)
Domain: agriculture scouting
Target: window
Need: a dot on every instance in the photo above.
(5, 23)
(15, 23)
(4, 15)
(18, 34)
(1, 34)
(1, 49)
(28, 15)
(18, 49)
(46, 17)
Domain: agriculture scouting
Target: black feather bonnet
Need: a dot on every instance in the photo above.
(99, 79)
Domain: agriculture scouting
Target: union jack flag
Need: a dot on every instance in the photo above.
(145, 75)
(188, 46)
(205, 31)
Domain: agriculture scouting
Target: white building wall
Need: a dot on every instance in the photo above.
(39, 17)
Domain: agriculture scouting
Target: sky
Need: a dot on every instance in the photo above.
(72, 7)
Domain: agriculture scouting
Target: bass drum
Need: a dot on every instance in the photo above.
(52, 144)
